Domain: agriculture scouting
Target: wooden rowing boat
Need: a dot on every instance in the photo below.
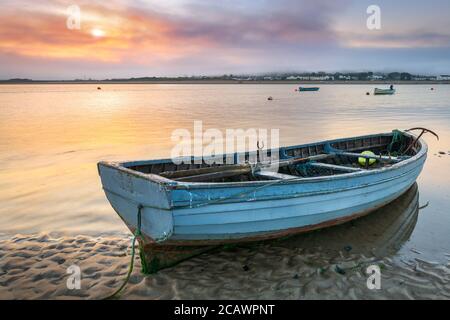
(383, 91)
(184, 209)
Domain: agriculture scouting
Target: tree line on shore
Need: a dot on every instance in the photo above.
(313, 76)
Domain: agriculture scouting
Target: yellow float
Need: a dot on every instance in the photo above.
(362, 161)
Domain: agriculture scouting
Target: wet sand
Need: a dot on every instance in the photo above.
(326, 264)
(35, 268)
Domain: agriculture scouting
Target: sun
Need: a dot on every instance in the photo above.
(97, 33)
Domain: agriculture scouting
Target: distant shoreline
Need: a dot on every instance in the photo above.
(293, 82)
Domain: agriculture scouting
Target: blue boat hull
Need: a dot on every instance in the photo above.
(214, 213)
(308, 89)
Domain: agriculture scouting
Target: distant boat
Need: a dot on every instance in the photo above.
(308, 89)
(383, 91)
(181, 210)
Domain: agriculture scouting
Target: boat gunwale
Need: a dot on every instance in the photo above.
(173, 184)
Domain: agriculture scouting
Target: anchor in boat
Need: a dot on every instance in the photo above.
(424, 130)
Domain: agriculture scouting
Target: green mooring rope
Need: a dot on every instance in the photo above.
(397, 137)
(144, 267)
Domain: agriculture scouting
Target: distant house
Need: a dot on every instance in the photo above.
(424, 78)
(376, 77)
(444, 77)
(268, 78)
(344, 77)
(242, 79)
(292, 78)
(321, 78)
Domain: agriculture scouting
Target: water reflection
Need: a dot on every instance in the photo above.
(381, 233)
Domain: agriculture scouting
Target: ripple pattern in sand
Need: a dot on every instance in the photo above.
(34, 267)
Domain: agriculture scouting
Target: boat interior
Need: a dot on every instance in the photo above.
(314, 160)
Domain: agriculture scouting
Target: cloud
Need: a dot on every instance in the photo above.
(45, 34)
(286, 22)
(133, 32)
(155, 37)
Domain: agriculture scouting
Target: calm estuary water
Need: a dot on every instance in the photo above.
(52, 136)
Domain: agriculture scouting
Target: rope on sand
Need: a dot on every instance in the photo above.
(137, 234)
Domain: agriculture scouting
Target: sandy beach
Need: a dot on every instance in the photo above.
(326, 264)
(34, 267)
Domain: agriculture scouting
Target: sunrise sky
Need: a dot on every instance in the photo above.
(120, 38)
